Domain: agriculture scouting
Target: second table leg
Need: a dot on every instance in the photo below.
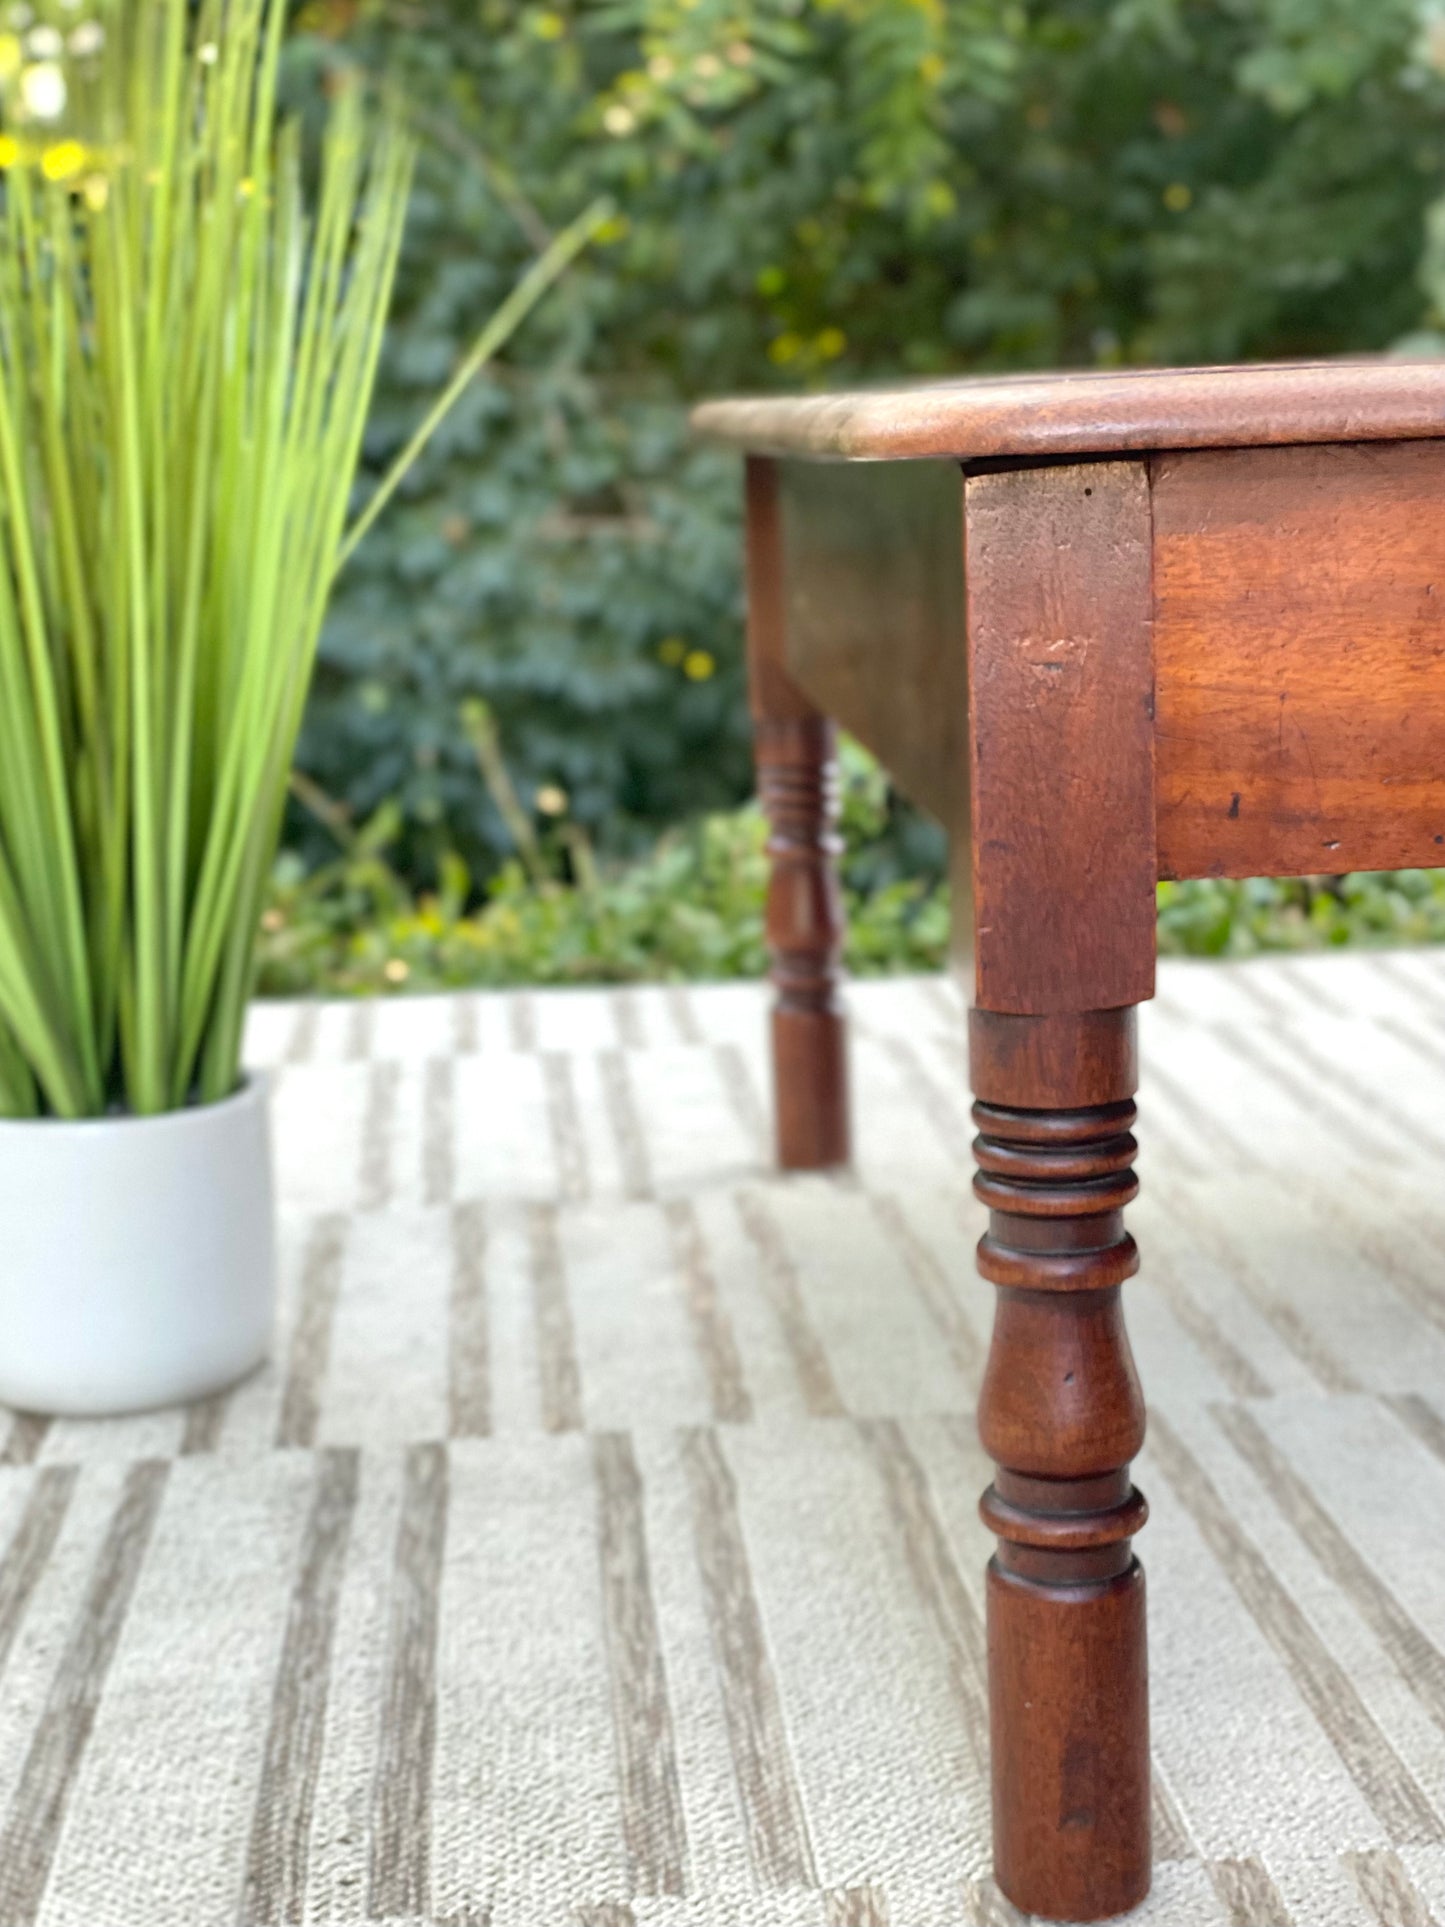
(798, 784)
(797, 780)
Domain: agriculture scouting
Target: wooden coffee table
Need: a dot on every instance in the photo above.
(1108, 628)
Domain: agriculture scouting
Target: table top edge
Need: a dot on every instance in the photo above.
(1096, 412)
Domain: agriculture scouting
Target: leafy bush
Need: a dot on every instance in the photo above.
(693, 909)
(1213, 918)
(808, 189)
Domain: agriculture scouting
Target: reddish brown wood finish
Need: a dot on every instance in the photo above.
(797, 782)
(1094, 412)
(1275, 594)
(1056, 573)
(1086, 1052)
(1300, 648)
(1058, 583)
(1061, 1414)
(873, 612)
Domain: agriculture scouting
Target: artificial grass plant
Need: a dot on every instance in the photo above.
(186, 360)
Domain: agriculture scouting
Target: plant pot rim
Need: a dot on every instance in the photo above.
(253, 1089)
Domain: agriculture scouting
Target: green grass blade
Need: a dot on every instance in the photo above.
(504, 323)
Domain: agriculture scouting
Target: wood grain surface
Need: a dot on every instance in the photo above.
(873, 608)
(1068, 1060)
(1057, 568)
(1071, 1783)
(1094, 412)
(1299, 641)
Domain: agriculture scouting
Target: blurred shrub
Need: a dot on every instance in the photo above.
(693, 908)
(1214, 918)
(808, 190)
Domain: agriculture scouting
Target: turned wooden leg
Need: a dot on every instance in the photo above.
(1061, 1415)
(797, 781)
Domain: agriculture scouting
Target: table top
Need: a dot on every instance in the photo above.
(1094, 412)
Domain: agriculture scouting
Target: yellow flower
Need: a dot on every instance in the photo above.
(785, 348)
(549, 26)
(63, 161)
(396, 970)
(698, 665)
(11, 55)
(552, 800)
(671, 650)
(10, 150)
(1177, 197)
(613, 229)
(831, 343)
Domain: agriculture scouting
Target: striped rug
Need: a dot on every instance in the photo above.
(599, 1549)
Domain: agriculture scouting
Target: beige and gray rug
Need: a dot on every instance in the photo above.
(600, 1551)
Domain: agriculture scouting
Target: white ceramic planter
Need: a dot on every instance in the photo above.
(137, 1256)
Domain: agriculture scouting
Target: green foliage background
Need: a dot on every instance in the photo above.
(808, 190)
(693, 908)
